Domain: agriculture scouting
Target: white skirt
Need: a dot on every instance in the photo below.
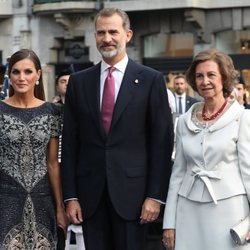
(205, 226)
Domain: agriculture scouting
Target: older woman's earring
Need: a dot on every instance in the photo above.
(37, 82)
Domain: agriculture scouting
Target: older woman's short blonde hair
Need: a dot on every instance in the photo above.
(225, 65)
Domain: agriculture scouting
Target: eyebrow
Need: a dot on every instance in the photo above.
(104, 30)
(23, 69)
(206, 72)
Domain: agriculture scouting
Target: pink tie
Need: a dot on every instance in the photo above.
(108, 100)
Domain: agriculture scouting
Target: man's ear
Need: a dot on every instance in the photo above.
(129, 35)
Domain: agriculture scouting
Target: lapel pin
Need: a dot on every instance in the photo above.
(136, 81)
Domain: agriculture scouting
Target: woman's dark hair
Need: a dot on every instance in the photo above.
(225, 65)
(31, 55)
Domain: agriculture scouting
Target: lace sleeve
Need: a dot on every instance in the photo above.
(57, 120)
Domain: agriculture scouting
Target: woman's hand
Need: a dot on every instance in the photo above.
(168, 239)
(62, 219)
(248, 237)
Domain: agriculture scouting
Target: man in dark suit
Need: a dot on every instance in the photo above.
(115, 170)
(183, 101)
(241, 92)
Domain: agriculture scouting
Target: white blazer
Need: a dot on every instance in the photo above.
(212, 163)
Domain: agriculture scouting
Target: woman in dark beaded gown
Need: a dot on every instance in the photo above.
(31, 205)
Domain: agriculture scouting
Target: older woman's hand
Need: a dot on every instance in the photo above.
(248, 237)
(168, 239)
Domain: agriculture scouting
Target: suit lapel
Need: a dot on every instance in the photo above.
(130, 80)
(187, 103)
(93, 95)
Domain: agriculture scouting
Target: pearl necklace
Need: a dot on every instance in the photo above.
(215, 115)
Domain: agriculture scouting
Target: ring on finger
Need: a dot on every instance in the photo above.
(164, 242)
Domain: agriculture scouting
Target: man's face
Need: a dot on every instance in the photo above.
(241, 92)
(62, 85)
(111, 38)
(180, 86)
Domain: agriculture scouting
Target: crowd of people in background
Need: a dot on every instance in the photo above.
(114, 146)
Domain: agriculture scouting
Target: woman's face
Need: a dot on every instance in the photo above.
(23, 76)
(208, 79)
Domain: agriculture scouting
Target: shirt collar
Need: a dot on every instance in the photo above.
(183, 95)
(121, 65)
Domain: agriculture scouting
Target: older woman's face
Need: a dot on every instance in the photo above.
(208, 79)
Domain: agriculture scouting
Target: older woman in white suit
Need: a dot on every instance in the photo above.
(209, 191)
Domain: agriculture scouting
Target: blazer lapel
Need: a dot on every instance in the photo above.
(187, 103)
(130, 80)
(93, 95)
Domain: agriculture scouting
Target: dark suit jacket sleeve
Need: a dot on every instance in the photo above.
(69, 143)
(161, 141)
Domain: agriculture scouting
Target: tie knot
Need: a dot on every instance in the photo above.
(111, 70)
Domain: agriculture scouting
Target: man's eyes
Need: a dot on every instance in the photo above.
(111, 32)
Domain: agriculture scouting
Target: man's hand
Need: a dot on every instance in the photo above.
(74, 212)
(150, 211)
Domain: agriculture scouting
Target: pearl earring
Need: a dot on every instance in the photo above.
(37, 82)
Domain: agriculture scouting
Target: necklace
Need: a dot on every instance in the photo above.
(213, 116)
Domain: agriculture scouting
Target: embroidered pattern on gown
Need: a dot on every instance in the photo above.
(27, 215)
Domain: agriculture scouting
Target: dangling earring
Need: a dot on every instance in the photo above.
(37, 82)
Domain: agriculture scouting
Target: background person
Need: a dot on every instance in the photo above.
(61, 86)
(29, 170)
(171, 101)
(241, 90)
(209, 190)
(74, 232)
(183, 101)
(115, 172)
